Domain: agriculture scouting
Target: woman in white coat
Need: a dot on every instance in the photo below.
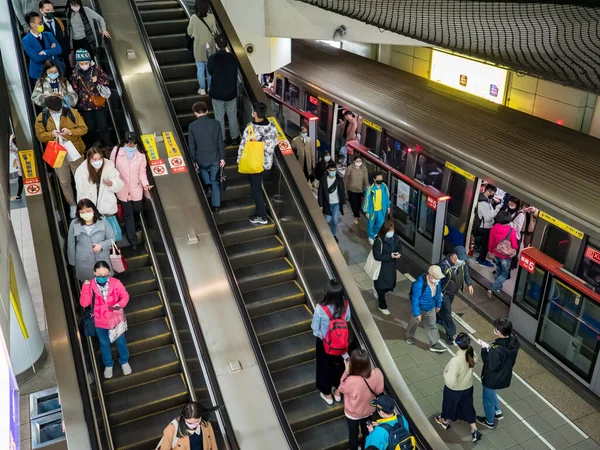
(99, 181)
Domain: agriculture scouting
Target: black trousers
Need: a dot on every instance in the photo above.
(258, 195)
(329, 369)
(485, 239)
(353, 427)
(84, 44)
(381, 297)
(131, 209)
(97, 123)
(19, 186)
(355, 202)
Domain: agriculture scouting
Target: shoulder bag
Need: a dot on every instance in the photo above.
(504, 247)
(87, 318)
(372, 266)
(374, 394)
(253, 154)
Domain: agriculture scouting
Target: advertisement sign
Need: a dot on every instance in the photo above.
(467, 75)
(402, 195)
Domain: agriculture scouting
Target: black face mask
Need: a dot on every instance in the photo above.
(512, 209)
(378, 181)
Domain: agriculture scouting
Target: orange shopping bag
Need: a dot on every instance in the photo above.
(55, 154)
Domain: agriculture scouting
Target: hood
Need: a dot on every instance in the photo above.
(482, 198)
(509, 344)
(461, 253)
(262, 122)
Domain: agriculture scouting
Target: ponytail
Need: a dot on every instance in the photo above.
(470, 357)
(464, 343)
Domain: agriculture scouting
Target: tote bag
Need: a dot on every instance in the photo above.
(72, 153)
(372, 266)
(253, 155)
(114, 223)
(116, 259)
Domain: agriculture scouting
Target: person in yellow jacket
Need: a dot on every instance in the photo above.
(376, 205)
(189, 431)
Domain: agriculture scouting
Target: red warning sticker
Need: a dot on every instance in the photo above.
(32, 186)
(158, 167)
(177, 164)
(285, 148)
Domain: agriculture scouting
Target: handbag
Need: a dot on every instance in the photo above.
(253, 155)
(504, 247)
(104, 91)
(117, 260)
(72, 153)
(117, 324)
(98, 100)
(372, 266)
(55, 154)
(119, 215)
(114, 223)
(222, 179)
(87, 319)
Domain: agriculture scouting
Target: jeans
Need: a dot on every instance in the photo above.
(121, 344)
(353, 426)
(428, 321)
(445, 316)
(375, 223)
(491, 405)
(130, 210)
(229, 107)
(97, 123)
(202, 74)
(210, 177)
(502, 272)
(334, 218)
(258, 195)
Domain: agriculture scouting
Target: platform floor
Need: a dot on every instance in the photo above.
(543, 408)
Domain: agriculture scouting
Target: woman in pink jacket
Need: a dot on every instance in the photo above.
(109, 297)
(503, 253)
(130, 161)
(360, 384)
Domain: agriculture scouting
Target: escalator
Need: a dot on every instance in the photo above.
(267, 279)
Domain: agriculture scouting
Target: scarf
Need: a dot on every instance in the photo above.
(87, 27)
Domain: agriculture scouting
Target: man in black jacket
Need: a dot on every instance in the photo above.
(207, 150)
(332, 197)
(223, 68)
(55, 26)
(498, 362)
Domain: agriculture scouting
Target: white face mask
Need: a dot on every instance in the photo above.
(327, 158)
(389, 234)
(76, 8)
(97, 164)
(358, 163)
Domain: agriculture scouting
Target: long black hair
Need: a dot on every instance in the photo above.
(334, 296)
(69, 12)
(193, 410)
(87, 203)
(505, 328)
(131, 138)
(202, 8)
(464, 343)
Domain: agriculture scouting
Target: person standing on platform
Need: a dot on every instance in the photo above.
(40, 47)
(222, 67)
(55, 26)
(207, 149)
(500, 234)
(302, 146)
(426, 300)
(486, 213)
(332, 197)
(83, 22)
(356, 180)
(386, 248)
(202, 28)
(376, 205)
(498, 361)
(456, 274)
(15, 167)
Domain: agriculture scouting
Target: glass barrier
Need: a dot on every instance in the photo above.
(426, 218)
(528, 295)
(405, 201)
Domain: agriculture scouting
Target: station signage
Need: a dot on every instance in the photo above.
(593, 254)
(526, 263)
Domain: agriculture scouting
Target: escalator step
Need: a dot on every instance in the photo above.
(138, 282)
(242, 230)
(144, 307)
(157, 4)
(123, 406)
(257, 276)
(149, 15)
(137, 259)
(231, 210)
(282, 324)
(183, 103)
(159, 27)
(237, 188)
(290, 351)
(182, 86)
(144, 433)
(231, 169)
(177, 56)
(274, 298)
(295, 381)
(146, 336)
(256, 251)
(176, 70)
(147, 366)
(309, 410)
(332, 435)
(168, 41)
(185, 118)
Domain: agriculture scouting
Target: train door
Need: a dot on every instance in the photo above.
(292, 121)
(371, 136)
(323, 109)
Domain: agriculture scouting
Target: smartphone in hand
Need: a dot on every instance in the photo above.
(346, 356)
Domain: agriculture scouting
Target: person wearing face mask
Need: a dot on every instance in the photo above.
(130, 161)
(426, 301)
(40, 47)
(86, 78)
(456, 275)
(387, 249)
(302, 147)
(518, 222)
(54, 25)
(356, 180)
(89, 240)
(321, 168)
(376, 205)
(58, 121)
(109, 297)
(190, 431)
(332, 197)
(83, 22)
(53, 83)
(486, 213)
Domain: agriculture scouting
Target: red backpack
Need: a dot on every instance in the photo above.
(336, 339)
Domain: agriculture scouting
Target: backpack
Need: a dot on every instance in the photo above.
(46, 115)
(422, 288)
(504, 247)
(336, 339)
(399, 438)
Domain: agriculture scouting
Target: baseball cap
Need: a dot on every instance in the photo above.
(435, 272)
(384, 403)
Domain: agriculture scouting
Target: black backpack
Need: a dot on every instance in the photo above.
(399, 438)
(422, 288)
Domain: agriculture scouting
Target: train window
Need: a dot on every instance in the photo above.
(456, 191)
(394, 153)
(405, 200)
(371, 140)
(426, 219)
(429, 172)
(323, 117)
(278, 86)
(570, 328)
(291, 94)
(528, 295)
(589, 270)
(312, 104)
(556, 243)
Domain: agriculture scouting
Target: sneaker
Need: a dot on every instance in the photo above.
(476, 435)
(437, 348)
(371, 241)
(16, 198)
(441, 422)
(450, 340)
(202, 91)
(385, 311)
(483, 421)
(126, 369)
(489, 293)
(108, 372)
(329, 401)
(498, 415)
(215, 209)
(336, 395)
(258, 220)
(484, 263)
(73, 212)
(355, 220)
(235, 141)
(410, 341)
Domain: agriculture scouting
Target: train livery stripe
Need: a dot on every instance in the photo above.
(563, 226)
(464, 173)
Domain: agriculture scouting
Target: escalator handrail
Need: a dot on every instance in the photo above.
(269, 385)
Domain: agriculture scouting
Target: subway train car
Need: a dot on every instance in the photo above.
(438, 148)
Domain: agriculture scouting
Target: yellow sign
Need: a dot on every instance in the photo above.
(280, 134)
(372, 125)
(150, 146)
(563, 226)
(171, 145)
(28, 164)
(464, 173)
(326, 100)
(15, 300)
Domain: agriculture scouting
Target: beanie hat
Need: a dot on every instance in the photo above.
(435, 272)
(82, 55)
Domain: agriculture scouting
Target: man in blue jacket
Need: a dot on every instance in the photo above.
(40, 46)
(379, 435)
(426, 300)
(376, 205)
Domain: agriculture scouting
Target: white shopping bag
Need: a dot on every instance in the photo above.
(72, 153)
